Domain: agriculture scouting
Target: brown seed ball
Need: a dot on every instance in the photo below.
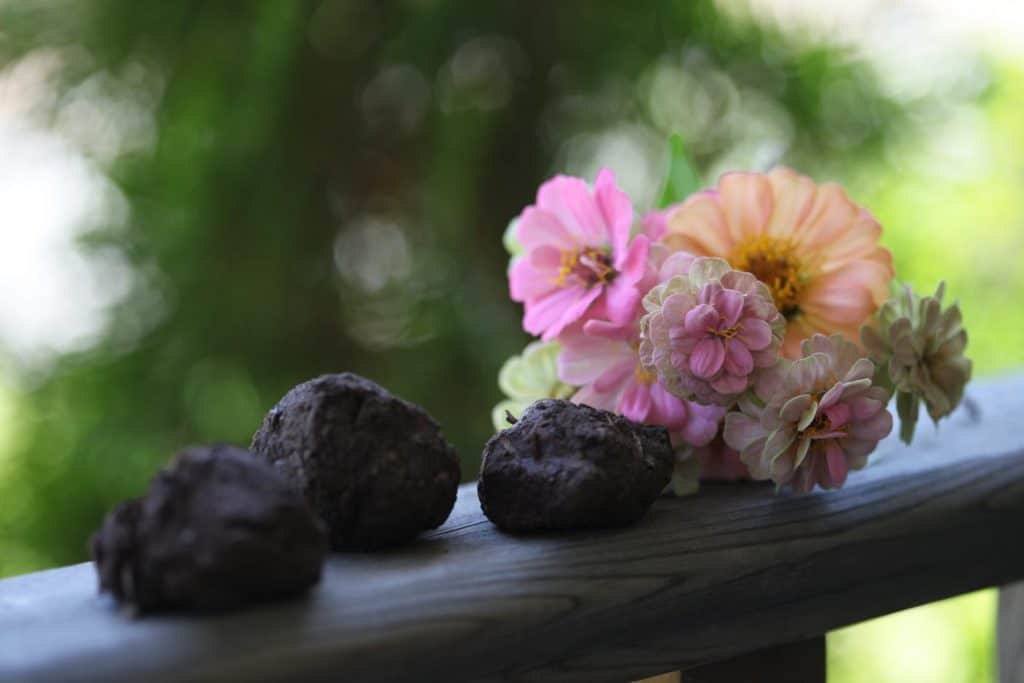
(376, 468)
(570, 466)
(219, 528)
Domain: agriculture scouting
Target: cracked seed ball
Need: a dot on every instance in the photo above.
(570, 466)
(376, 468)
(218, 528)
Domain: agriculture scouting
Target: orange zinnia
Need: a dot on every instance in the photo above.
(815, 249)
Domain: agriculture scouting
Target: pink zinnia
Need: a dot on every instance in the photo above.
(578, 258)
(603, 361)
(709, 332)
(813, 420)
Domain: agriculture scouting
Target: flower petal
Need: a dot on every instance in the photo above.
(707, 357)
(526, 283)
(584, 357)
(741, 430)
(829, 219)
(570, 201)
(616, 210)
(632, 262)
(669, 410)
(595, 399)
(700, 319)
(677, 264)
(755, 334)
(622, 301)
(794, 408)
(838, 415)
(874, 428)
(614, 378)
(546, 259)
(655, 223)
(747, 203)
(699, 227)
(778, 442)
(544, 315)
(609, 330)
(702, 423)
(730, 305)
(636, 402)
(727, 383)
(794, 199)
(836, 460)
(738, 360)
(537, 228)
(847, 296)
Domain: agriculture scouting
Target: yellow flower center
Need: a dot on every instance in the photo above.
(773, 261)
(587, 266)
(726, 332)
(645, 378)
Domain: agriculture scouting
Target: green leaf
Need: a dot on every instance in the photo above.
(682, 178)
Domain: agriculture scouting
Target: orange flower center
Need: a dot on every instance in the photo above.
(587, 266)
(773, 261)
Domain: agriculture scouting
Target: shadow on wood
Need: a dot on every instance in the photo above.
(802, 662)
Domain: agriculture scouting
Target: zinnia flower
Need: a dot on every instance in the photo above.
(813, 420)
(815, 249)
(526, 378)
(602, 359)
(708, 333)
(920, 348)
(578, 257)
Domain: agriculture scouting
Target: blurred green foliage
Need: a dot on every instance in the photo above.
(682, 177)
(328, 181)
(326, 190)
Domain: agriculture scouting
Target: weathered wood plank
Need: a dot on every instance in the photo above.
(1011, 634)
(733, 570)
(802, 662)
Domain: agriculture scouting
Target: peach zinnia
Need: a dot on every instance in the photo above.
(816, 250)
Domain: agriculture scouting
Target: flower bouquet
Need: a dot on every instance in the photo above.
(753, 320)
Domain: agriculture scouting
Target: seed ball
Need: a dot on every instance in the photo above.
(570, 466)
(218, 528)
(376, 468)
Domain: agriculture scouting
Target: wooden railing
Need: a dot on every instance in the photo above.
(711, 578)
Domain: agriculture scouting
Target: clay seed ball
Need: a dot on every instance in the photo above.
(218, 528)
(570, 466)
(376, 468)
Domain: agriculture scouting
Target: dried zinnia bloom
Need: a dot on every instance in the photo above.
(920, 347)
(708, 333)
(813, 420)
(815, 249)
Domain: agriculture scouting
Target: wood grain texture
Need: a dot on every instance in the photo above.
(732, 570)
(1011, 634)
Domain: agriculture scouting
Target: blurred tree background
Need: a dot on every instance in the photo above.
(281, 189)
